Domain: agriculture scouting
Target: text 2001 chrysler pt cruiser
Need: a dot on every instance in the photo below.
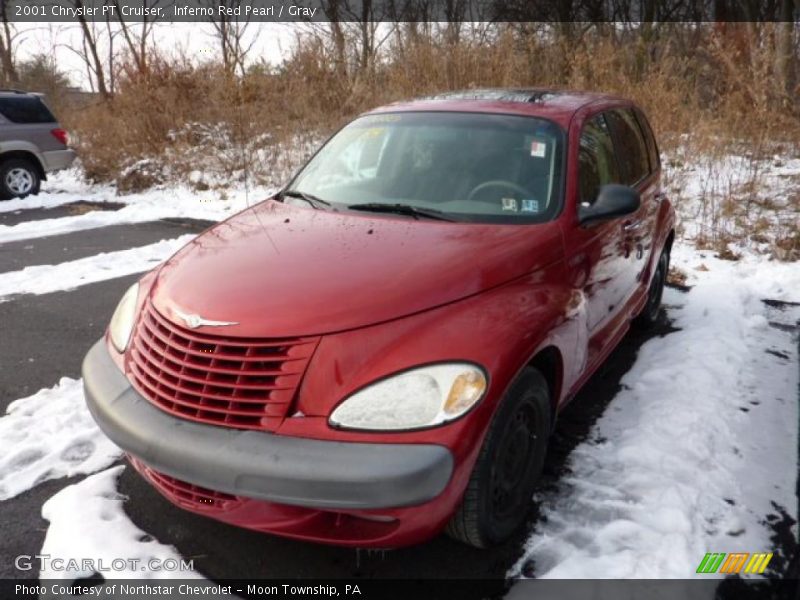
(379, 352)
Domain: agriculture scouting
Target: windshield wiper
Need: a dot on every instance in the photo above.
(313, 200)
(402, 209)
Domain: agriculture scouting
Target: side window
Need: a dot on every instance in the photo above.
(630, 147)
(596, 164)
(25, 109)
(650, 140)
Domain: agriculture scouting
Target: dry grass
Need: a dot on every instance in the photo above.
(704, 94)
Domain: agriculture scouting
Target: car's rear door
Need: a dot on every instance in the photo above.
(637, 230)
(654, 179)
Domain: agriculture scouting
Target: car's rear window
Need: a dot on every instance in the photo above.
(25, 109)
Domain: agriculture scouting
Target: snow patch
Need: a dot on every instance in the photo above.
(50, 435)
(43, 279)
(151, 205)
(747, 202)
(87, 521)
(695, 449)
(61, 187)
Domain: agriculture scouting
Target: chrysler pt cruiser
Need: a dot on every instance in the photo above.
(379, 352)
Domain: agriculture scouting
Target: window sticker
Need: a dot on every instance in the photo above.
(510, 204)
(376, 119)
(530, 205)
(538, 148)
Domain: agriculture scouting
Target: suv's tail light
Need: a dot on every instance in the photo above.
(61, 135)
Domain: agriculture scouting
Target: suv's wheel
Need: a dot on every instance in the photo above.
(18, 178)
(500, 489)
(651, 310)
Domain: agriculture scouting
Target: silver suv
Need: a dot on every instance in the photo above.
(32, 144)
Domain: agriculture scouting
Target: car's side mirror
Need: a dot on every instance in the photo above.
(613, 201)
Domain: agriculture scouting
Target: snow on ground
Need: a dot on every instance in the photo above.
(751, 201)
(50, 435)
(152, 205)
(691, 455)
(42, 279)
(87, 521)
(61, 187)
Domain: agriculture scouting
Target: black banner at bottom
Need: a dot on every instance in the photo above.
(378, 589)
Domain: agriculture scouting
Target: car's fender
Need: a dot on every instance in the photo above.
(501, 330)
(20, 148)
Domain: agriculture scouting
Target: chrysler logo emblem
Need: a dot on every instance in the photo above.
(195, 321)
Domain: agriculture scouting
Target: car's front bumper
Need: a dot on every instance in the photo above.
(252, 464)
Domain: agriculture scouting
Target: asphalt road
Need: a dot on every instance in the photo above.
(44, 338)
(80, 244)
(14, 217)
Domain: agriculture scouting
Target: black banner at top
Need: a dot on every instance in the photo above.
(287, 11)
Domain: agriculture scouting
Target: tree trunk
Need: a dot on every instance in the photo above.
(9, 74)
(91, 44)
(785, 58)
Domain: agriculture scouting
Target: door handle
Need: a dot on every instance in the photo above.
(632, 226)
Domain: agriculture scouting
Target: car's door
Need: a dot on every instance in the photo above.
(596, 253)
(658, 196)
(633, 160)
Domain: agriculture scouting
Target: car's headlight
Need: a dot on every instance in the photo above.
(122, 320)
(415, 399)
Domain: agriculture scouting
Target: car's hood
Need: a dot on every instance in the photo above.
(280, 270)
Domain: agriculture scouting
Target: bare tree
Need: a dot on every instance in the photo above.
(7, 37)
(90, 53)
(785, 56)
(454, 12)
(112, 71)
(333, 10)
(230, 32)
(138, 34)
(365, 22)
(356, 23)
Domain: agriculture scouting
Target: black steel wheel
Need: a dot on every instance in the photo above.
(498, 497)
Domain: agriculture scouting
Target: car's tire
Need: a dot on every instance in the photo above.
(649, 315)
(18, 178)
(499, 493)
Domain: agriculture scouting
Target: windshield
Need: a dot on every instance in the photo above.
(468, 166)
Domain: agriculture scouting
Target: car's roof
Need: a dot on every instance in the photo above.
(558, 105)
(5, 93)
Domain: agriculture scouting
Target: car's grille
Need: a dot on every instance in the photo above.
(187, 494)
(243, 383)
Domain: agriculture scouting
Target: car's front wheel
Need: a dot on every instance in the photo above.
(18, 178)
(500, 489)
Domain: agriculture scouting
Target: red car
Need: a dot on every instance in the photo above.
(379, 352)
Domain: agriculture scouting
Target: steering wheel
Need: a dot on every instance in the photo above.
(499, 183)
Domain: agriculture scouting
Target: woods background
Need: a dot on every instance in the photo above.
(150, 116)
